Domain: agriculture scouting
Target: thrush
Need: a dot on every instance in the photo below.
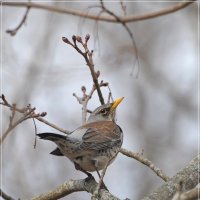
(91, 146)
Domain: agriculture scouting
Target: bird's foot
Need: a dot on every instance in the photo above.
(89, 178)
(103, 186)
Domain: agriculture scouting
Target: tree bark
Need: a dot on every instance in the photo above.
(189, 176)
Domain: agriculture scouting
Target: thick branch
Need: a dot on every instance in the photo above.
(124, 19)
(75, 186)
(190, 195)
(189, 176)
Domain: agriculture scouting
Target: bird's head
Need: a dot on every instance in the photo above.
(105, 112)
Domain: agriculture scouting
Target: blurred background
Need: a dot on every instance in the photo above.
(159, 112)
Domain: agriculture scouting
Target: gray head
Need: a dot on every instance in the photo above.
(105, 112)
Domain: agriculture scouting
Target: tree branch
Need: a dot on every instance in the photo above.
(87, 54)
(192, 194)
(125, 19)
(28, 113)
(146, 162)
(71, 186)
(189, 176)
(85, 99)
(53, 125)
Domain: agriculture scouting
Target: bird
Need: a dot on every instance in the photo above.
(93, 145)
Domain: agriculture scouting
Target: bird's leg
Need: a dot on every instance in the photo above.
(102, 186)
(77, 166)
(98, 172)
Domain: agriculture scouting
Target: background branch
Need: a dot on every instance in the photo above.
(13, 32)
(125, 19)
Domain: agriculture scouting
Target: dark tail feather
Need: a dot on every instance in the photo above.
(56, 152)
(51, 136)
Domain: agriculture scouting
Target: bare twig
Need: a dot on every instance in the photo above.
(39, 118)
(28, 113)
(110, 97)
(13, 32)
(123, 6)
(125, 19)
(146, 162)
(87, 54)
(84, 100)
(35, 133)
(5, 196)
(53, 125)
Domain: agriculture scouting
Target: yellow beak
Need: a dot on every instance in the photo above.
(116, 103)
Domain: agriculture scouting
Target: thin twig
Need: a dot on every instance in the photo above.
(35, 133)
(110, 97)
(125, 19)
(39, 116)
(146, 162)
(53, 125)
(123, 6)
(26, 116)
(85, 99)
(28, 113)
(13, 32)
(87, 54)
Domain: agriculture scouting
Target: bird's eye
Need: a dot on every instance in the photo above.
(103, 111)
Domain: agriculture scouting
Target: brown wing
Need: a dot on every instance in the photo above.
(101, 135)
